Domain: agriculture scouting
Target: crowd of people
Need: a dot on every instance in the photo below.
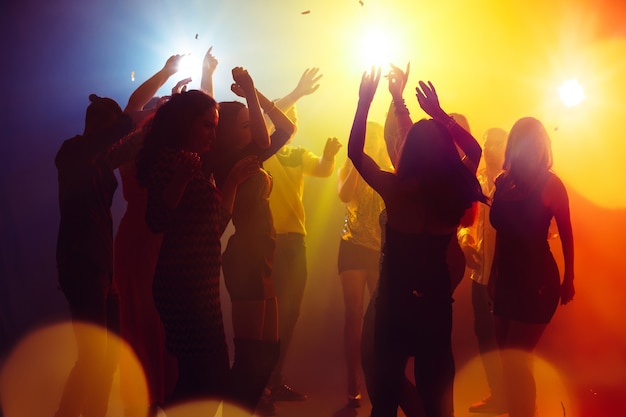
(418, 212)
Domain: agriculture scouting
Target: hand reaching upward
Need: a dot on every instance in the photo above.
(428, 100)
(243, 79)
(397, 81)
(369, 84)
(181, 86)
(331, 148)
(210, 62)
(308, 83)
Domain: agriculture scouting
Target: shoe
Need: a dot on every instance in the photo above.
(284, 392)
(489, 405)
(265, 407)
(354, 401)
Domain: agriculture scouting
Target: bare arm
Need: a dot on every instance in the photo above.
(326, 164)
(240, 172)
(243, 81)
(149, 88)
(307, 84)
(364, 164)
(209, 64)
(429, 102)
(559, 202)
(398, 121)
(283, 130)
(279, 119)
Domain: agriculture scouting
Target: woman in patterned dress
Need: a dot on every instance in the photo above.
(191, 213)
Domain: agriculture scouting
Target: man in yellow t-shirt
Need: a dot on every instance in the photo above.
(288, 168)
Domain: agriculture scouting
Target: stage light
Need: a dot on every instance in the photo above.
(189, 66)
(376, 49)
(571, 93)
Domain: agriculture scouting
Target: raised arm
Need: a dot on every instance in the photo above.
(307, 84)
(429, 102)
(209, 65)
(325, 165)
(149, 88)
(365, 165)
(278, 118)
(243, 81)
(398, 121)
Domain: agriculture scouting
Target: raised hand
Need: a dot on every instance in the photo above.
(428, 100)
(369, 84)
(181, 86)
(236, 88)
(243, 80)
(331, 148)
(397, 80)
(308, 83)
(172, 64)
(209, 63)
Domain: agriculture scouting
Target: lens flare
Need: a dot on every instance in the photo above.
(553, 393)
(34, 375)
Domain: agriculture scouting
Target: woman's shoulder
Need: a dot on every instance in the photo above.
(554, 185)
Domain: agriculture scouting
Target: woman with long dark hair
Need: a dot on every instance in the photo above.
(425, 199)
(191, 213)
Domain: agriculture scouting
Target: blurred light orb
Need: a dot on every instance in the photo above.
(555, 393)
(571, 93)
(34, 374)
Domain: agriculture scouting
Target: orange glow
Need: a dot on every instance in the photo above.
(553, 394)
(34, 374)
(201, 408)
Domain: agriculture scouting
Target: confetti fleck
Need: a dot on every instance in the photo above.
(361, 2)
(196, 36)
(306, 12)
(132, 75)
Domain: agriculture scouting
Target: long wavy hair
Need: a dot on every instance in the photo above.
(430, 160)
(170, 127)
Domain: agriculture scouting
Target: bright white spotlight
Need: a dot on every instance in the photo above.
(571, 93)
(376, 48)
(189, 66)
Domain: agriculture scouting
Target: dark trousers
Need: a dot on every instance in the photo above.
(486, 338)
(421, 329)
(94, 307)
(289, 274)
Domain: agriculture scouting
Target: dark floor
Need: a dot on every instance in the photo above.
(590, 387)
